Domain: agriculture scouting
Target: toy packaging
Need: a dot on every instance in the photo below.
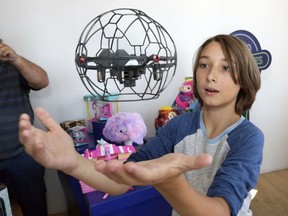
(77, 130)
(79, 134)
(97, 110)
(105, 151)
(72, 123)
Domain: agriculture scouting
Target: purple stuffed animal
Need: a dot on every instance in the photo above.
(125, 127)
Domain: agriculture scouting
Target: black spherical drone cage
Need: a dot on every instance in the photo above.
(124, 55)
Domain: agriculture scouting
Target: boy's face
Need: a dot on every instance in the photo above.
(214, 78)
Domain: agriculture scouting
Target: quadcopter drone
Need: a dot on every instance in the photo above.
(125, 55)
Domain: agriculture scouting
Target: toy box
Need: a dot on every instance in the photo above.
(72, 123)
(97, 110)
(79, 134)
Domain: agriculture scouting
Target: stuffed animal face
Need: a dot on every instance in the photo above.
(186, 87)
(125, 127)
(185, 96)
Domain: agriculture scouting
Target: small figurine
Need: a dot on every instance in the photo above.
(165, 113)
(185, 96)
(106, 149)
(88, 154)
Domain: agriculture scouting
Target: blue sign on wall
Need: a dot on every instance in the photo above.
(262, 56)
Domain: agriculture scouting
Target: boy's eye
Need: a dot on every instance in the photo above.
(203, 65)
(226, 68)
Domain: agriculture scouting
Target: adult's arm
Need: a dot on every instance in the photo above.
(35, 75)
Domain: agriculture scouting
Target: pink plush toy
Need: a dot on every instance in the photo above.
(125, 127)
(185, 97)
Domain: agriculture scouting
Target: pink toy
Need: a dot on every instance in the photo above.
(185, 97)
(105, 151)
(125, 127)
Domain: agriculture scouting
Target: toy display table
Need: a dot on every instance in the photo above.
(141, 201)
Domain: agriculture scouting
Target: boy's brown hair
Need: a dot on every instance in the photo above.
(244, 69)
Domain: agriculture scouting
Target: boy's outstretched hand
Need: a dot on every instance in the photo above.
(152, 172)
(53, 148)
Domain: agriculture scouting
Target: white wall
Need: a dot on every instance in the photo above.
(47, 32)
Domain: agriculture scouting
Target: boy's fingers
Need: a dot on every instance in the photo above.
(203, 160)
(46, 119)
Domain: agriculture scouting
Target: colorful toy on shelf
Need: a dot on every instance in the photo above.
(108, 151)
(79, 134)
(165, 113)
(185, 96)
(105, 151)
(77, 130)
(97, 110)
(125, 127)
(105, 110)
(72, 123)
